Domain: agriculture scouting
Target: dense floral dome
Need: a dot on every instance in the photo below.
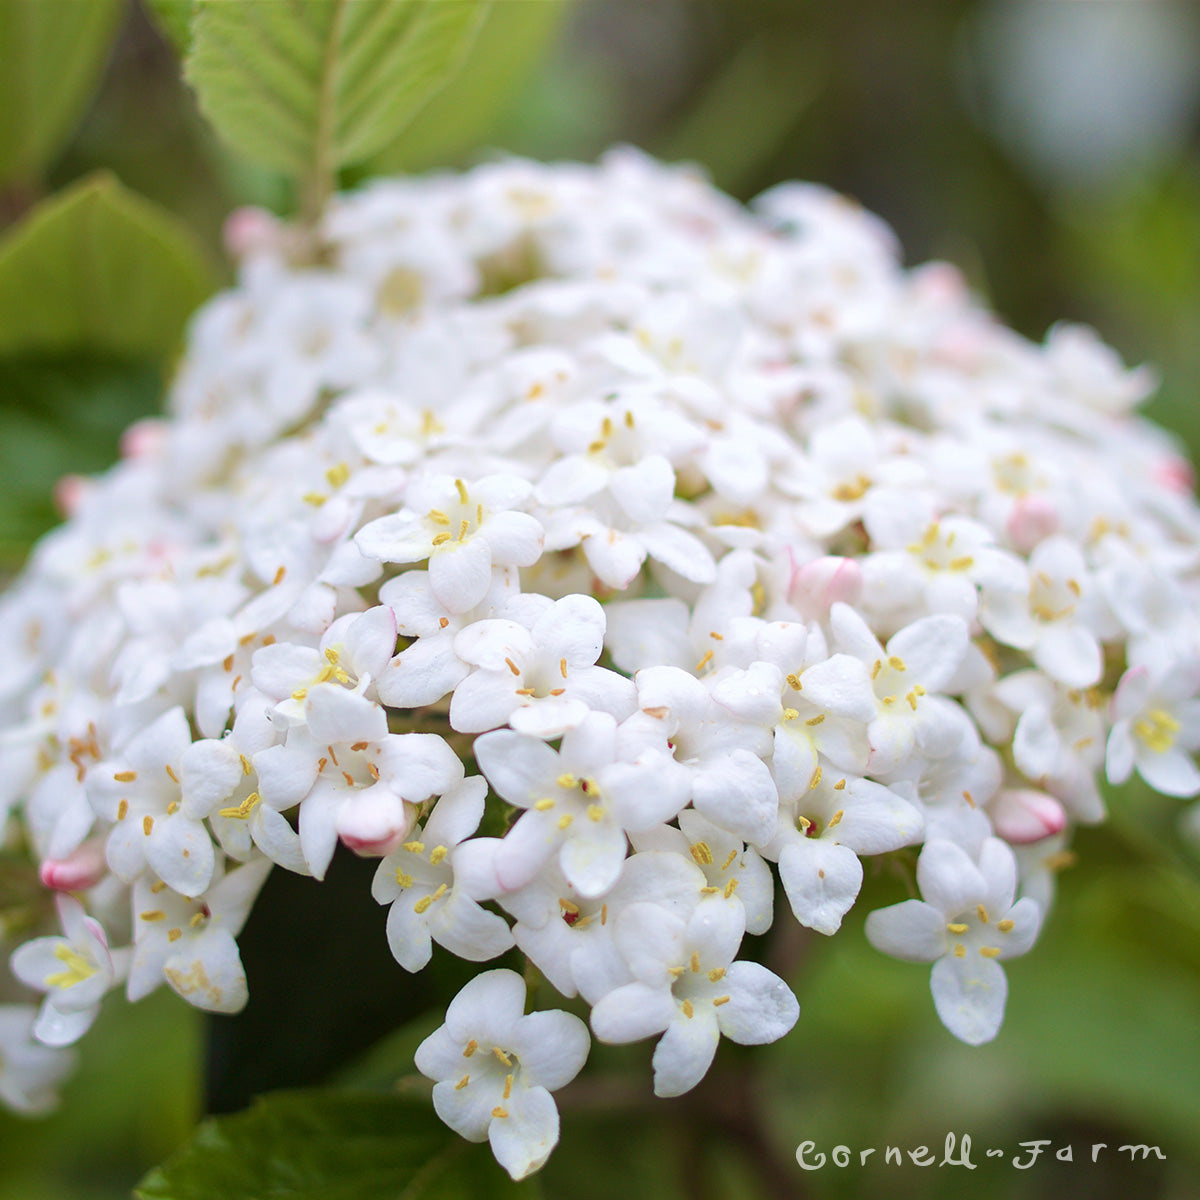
(696, 548)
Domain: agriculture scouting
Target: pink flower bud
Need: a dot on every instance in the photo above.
(1022, 815)
(1175, 474)
(143, 437)
(1032, 520)
(820, 583)
(249, 231)
(375, 825)
(68, 492)
(83, 868)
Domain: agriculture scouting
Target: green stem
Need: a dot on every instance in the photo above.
(322, 177)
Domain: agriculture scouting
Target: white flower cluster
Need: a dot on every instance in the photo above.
(681, 540)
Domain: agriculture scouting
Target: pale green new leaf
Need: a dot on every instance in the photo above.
(503, 58)
(324, 1145)
(307, 86)
(98, 267)
(51, 57)
(174, 20)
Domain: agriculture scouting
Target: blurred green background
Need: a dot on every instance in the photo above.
(1050, 149)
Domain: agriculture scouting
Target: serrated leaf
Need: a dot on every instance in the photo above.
(49, 67)
(307, 86)
(99, 268)
(512, 40)
(322, 1145)
(174, 20)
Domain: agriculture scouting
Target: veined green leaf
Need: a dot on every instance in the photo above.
(98, 267)
(174, 20)
(51, 57)
(514, 37)
(323, 1145)
(307, 86)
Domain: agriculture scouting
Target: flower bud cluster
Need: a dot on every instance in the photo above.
(688, 549)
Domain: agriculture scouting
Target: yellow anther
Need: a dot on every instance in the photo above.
(125, 776)
(897, 663)
(840, 785)
(470, 1048)
(279, 574)
(878, 666)
(957, 927)
(960, 951)
(595, 812)
(709, 891)
(173, 935)
(990, 951)
(790, 714)
(503, 1058)
(462, 1083)
(526, 691)
(438, 517)
(1005, 926)
(544, 804)
(171, 774)
(423, 904)
(147, 825)
(508, 1082)
(78, 968)
(705, 660)
(962, 564)
(243, 810)
(512, 666)
(836, 818)
(299, 694)
(793, 681)
(716, 637)
(196, 920)
(568, 906)
(440, 539)
(969, 799)
(158, 886)
(337, 475)
(565, 820)
(983, 913)
(414, 847)
(1157, 730)
(701, 853)
(246, 767)
(920, 691)
(730, 888)
(803, 824)
(463, 526)
(404, 879)
(628, 419)
(499, 1112)
(675, 972)
(567, 780)
(462, 491)
(815, 720)
(596, 446)
(604, 914)
(1074, 588)
(912, 700)
(719, 1000)
(155, 914)
(316, 499)
(562, 667)
(437, 854)
(715, 974)
(889, 699)
(695, 962)
(814, 779)
(122, 810)
(688, 1010)
(729, 858)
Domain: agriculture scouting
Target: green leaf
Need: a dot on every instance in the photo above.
(323, 1145)
(99, 268)
(50, 63)
(307, 86)
(513, 39)
(174, 20)
(59, 417)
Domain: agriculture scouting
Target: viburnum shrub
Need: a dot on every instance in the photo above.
(701, 553)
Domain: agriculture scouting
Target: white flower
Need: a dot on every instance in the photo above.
(463, 530)
(688, 988)
(965, 924)
(29, 1071)
(1157, 728)
(427, 903)
(75, 971)
(495, 1067)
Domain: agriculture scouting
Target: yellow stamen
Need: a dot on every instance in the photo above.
(1005, 926)
(957, 927)
(701, 853)
(462, 1083)
(470, 1048)
(990, 951)
(125, 776)
(688, 1010)
(983, 913)
(504, 1059)
(78, 968)
(719, 1000)
(423, 904)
